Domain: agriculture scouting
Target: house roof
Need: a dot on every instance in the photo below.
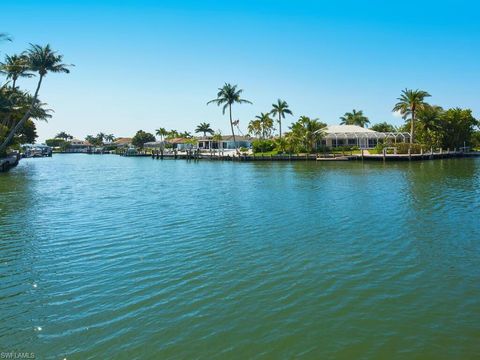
(228, 138)
(177, 140)
(122, 141)
(332, 129)
(78, 142)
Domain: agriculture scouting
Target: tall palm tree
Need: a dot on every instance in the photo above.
(41, 60)
(204, 128)
(281, 109)
(15, 67)
(409, 102)
(162, 132)
(355, 118)
(63, 135)
(101, 137)
(227, 96)
(110, 138)
(266, 124)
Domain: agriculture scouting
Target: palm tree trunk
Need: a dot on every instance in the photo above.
(412, 126)
(280, 124)
(231, 126)
(14, 82)
(23, 120)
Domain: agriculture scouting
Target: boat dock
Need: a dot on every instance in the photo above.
(312, 157)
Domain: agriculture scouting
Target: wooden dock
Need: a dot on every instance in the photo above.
(313, 157)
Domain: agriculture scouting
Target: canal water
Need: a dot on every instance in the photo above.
(109, 257)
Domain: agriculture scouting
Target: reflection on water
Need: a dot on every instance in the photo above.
(102, 256)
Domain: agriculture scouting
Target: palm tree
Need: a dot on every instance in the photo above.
(227, 96)
(429, 118)
(281, 109)
(204, 128)
(355, 118)
(217, 137)
(14, 67)
(101, 137)
(162, 132)
(309, 131)
(172, 134)
(186, 135)
(110, 138)
(41, 60)
(63, 135)
(255, 128)
(408, 103)
(266, 124)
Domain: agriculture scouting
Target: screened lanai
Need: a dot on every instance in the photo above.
(351, 135)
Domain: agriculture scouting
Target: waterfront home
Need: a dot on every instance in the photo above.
(227, 143)
(352, 135)
(180, 144)
(79, 146)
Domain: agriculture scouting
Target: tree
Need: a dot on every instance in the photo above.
(93, 140)
(429, 125)
(172, 134)
(227, 96)
(142, 137)
(355, 118)
(41, 60)
(457, 128)
(57, 142)
(261, 126)
(281, 109)
(204, 128)
(28, 134)
(110, 138)
(217, 137)
(307, 132)
(383, 127)
(162, 132)
(101, 137)
(63, 135)
(255, 128)
(186, 135)
(409, 102)
(15, 67)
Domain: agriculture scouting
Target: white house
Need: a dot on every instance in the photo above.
(352, 135)
(227, 143)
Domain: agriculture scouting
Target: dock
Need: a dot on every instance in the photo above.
(313, 157)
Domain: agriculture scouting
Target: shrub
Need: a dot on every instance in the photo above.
(263, 145)
(402, 148)
(55, 142)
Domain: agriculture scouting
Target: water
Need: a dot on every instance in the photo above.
(109, 257)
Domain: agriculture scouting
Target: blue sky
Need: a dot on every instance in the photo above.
(148, 64)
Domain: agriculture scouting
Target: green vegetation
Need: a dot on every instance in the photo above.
(227, 96)
(204, 128)
(142, 137)
(383, 127)
(281, 109)
(17, 107)
(409, 102)
(355, 118)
